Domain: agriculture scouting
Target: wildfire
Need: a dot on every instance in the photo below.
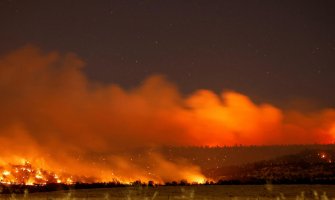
(47, 97)
(27, 175)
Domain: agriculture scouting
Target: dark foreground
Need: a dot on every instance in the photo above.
(231, 192)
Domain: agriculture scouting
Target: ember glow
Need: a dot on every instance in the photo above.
(326, 157)
(26, 174)
(54, 120)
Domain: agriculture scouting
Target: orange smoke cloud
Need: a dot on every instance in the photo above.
(50, 111)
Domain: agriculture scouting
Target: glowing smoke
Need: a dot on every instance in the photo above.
(52, 114)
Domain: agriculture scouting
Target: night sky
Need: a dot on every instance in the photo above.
(273, 51)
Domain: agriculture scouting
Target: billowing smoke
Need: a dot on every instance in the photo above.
(53, 116)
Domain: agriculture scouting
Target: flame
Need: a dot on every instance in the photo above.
(6, 173)
(53, 116)
(26, 174)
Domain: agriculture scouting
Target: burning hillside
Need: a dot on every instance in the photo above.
(54, 117)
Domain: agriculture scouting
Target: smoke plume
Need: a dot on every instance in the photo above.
(53, 116)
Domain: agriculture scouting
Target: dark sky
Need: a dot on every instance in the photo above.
(273, 51)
